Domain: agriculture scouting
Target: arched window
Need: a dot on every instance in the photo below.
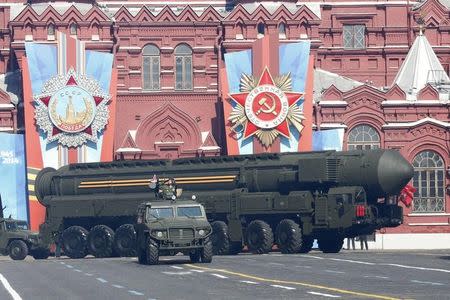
(363, 137)
(282, 30)
(261, 30)
(428, 179)
(51, 29)
(150, 68)
(73, 29)
(183, 65)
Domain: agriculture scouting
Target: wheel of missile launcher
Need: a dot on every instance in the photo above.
(195, 256)
(289, 236)
(330, 244)
(74, 242)
(206, 253)
(18, 250)
(152, 253)
(100, 241)
(259, 237)
(41, 253)
(307, 244)
(125, 241)
(220, 238)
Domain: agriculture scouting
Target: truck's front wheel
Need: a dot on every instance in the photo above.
(207, 252)
(330, 244)
(152, 253)
(18, 250)
(220, 239)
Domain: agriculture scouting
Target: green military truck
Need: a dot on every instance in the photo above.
(168, 227)
(17, 241)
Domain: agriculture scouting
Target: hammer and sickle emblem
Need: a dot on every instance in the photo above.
(265, 108)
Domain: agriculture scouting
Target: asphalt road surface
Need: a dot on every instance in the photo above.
(347, 275)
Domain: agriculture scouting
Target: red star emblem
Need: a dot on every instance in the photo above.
(266, 106)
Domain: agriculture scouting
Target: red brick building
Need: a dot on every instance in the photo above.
(168, 56)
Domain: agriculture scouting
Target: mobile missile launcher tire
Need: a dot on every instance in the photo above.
(125, 241)
(152, 253)
(259, 237)
(41, 253)
(220, 238)
(18, 250)
(100, 241)
(289, 236)
(74, 242)
(307, 244)
(330, 244)
(206, 253)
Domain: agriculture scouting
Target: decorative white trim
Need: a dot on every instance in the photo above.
(429, 224)
(200, 87)
(129, 48)
(2, 129)
(332, 103)
(213, 66)
(408, 102)
(120, 67)
(203, 47)
(428, 215)
(167, 88)
(6, 105)
(166, 48)
(411, 241)
(128, 150)
(212, 90)
(135, 88)
(167, 71)
(200, 71)
(332, 125)
(134, 72)
(419, 122)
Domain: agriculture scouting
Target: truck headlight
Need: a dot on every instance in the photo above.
(159, 233)
(201, 232)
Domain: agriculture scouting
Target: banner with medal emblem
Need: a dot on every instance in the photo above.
(267, 107)
(69, 97)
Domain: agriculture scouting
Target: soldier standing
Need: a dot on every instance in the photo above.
(165, 191)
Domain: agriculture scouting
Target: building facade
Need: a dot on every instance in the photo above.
(169, 56)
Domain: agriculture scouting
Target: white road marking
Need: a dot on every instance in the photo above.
(9, 288)
(61, 262)
(418, 268)
(88, 274)
(135, 293)
(312, 256)
(283, 287)
(427, 282)
(78, 270)
(117, 286)
(275, 264)
(354, 261)
(102, 280)
(69, 266)
(375, 276)
(176, 267)
(219, 276)
(197, 271)
(325, 295)
(249, 282)
(178, 273)
(331, 271)
(276, 254)
(306, 267)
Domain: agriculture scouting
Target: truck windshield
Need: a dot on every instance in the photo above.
(159, 213)
(11, 226)
(189, 211)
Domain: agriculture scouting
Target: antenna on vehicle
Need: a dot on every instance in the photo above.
(1, 206)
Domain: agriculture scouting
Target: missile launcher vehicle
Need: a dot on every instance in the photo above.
(169, 227)
(259, 200)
